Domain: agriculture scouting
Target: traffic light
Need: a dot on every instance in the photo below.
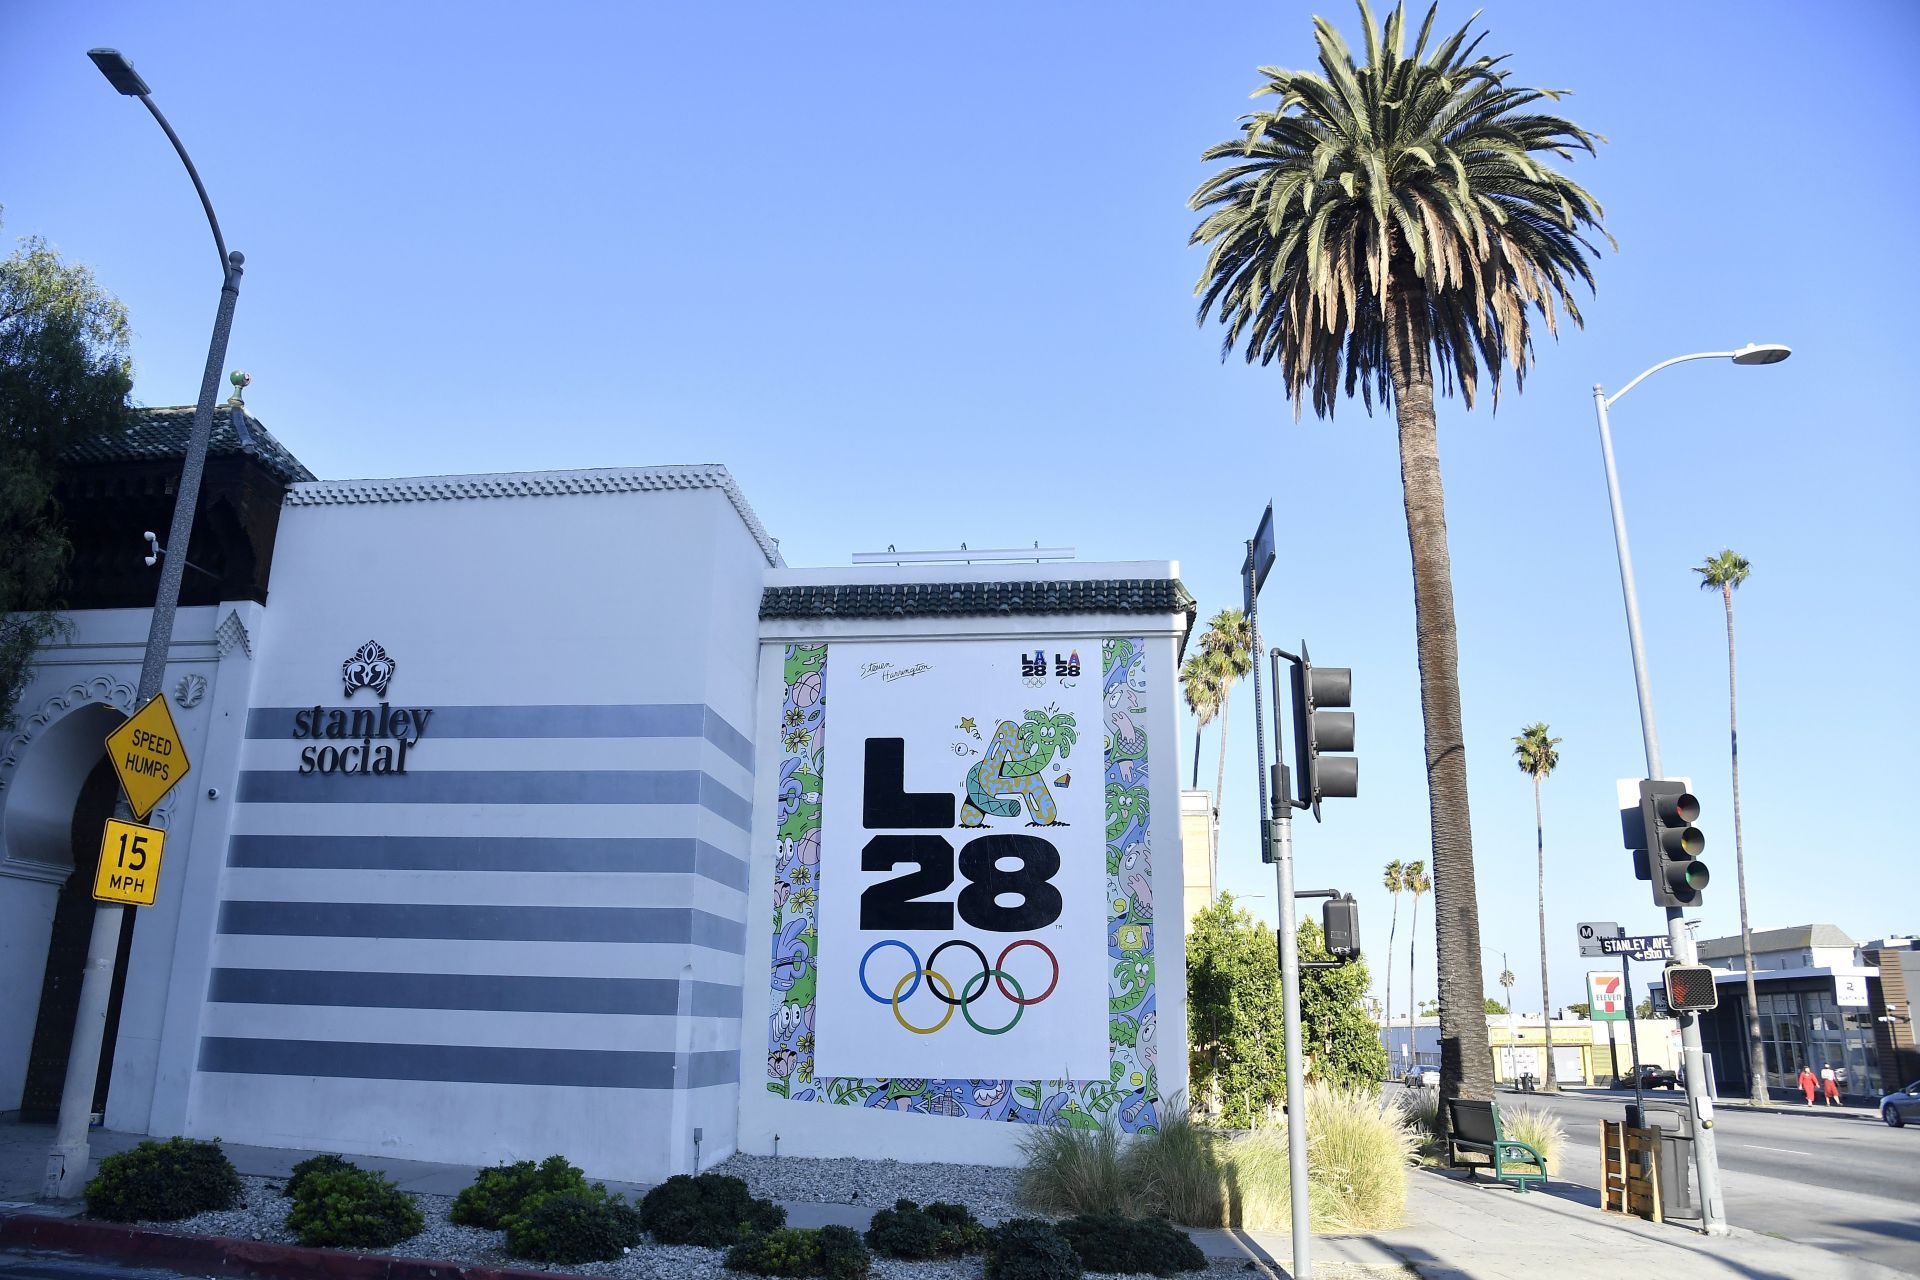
(1317, 731)
(1340, 922)
(1690, 988)
(1670, 848)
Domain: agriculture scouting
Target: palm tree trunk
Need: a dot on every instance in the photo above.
(1540, 869)
(1413, 949)
(1196, 757)
(1220, 782)
(1757, 1091)
(1390, 937)
(1466, 1061)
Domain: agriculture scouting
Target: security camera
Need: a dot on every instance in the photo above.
(153, 548)
(213, 793)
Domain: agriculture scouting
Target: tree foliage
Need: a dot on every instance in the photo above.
(1237, 1023)
(64, 375)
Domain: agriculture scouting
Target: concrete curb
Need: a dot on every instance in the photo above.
(223, 1256)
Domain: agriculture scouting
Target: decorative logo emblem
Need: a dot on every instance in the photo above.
(190, 690)
(368, 668)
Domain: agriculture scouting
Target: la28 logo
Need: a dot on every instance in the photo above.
(901, 903)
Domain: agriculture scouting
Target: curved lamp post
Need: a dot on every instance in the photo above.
(1713, 1206)
(67, 1160)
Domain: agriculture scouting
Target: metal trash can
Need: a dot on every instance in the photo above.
(1675, 1124)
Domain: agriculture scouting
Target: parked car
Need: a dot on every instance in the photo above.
(1428, 1077)
(1651, 1077)
(1899, 1107)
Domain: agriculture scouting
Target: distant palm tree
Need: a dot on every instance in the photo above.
(1202, 690)
(1506, 981)
(1394, 879)
(1228, 649)
(1391, 224)
(1723, 573)
(1415, 878)
(1533, 751)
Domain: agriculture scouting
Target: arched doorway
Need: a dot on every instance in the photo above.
(57, 803)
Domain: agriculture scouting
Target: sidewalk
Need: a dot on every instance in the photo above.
(1861, 1109)
(1454, 1229)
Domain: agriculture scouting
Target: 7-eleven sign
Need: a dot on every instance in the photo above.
(1606, 997)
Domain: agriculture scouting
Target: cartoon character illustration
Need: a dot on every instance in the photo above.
(1012, 771)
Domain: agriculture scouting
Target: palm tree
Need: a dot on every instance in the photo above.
(1533, 751)
(1723, 573)
(1384, 224)
(1415, 878)
(1203, 699)
(1228, 649)
(1394, 880)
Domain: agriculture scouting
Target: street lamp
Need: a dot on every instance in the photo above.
(67, 1159)
(1713, 1207)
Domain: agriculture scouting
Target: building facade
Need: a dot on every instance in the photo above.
(512, 827)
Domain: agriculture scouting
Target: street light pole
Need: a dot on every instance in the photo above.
(67, 1159)
(1713, 1205)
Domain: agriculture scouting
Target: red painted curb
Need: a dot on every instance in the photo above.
(222, 1255)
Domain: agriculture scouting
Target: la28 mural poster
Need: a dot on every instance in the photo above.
(963, 871)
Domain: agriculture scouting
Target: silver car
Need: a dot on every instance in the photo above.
(1898, 1108)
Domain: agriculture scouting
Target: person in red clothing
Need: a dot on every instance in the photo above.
(1831, 1083)
(1808, 1085)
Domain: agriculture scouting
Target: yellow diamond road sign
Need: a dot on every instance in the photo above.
(148, 755)
(129, 863)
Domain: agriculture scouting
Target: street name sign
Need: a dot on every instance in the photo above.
(1639, 946)
(1592, 932)
(129, 868)
(148, 756)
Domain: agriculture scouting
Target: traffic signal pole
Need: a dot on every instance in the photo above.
(1300, 1216)
(1713, 1213)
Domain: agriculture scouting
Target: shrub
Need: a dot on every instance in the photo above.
(355, 1208)
(833, 1252)
(940, 1230)
(1028, 1249)
(1421, 1110)
(1177, 1170)
(500, 1192)
(710, 1209)
(1357, 1157)
(1109, 1242)
(573, 1226)
(1540, 1130)
(1075, 1171)
(309, 1167)
(163, 1181)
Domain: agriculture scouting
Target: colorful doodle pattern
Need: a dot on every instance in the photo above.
(1130, 1095)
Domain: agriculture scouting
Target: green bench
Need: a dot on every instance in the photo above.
(1474, 1128)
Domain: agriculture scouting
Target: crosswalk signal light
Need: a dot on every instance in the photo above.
(1318, 731)
(1672, 844)
(1340, 923)
(1691, 989)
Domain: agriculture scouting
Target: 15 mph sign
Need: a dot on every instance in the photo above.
(148, 756)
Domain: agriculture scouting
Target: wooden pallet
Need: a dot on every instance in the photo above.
(1630, 1170)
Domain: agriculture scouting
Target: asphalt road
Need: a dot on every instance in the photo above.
(1842, 1181)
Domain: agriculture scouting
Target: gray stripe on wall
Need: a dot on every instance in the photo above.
(660, 720)
(490, 992)
(490, 786)
(638, 854)
(483, 923)
(469, 1064)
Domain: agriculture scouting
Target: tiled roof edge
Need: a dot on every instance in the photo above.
(976, 599)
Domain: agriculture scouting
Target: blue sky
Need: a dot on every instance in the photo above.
(918, 275)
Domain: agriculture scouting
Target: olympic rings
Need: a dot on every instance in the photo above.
(972, 989)
(934, 959)
(932, 978)
(1001, 976)
(1001, 963)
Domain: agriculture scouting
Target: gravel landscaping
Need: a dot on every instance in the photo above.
(262, 1215)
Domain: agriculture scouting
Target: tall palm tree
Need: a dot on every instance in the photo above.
(1202, 690)
(1415, 878)
(1394, 880)
(1533, 751)
(1387, 222)
(1723, 573)
(1228, 649)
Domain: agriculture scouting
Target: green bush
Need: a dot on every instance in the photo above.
(352, 1208)
(832, 1252)
(309, 1167)
(163, 1181)
(1357, 1158)
(1028, 1249)
(710, 1209)
(1109, 1242)
(940, 1230)
(500, 1192)
(1176, 1169)
(573, 1226)
(1075, 1171)
(1539, 1129)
